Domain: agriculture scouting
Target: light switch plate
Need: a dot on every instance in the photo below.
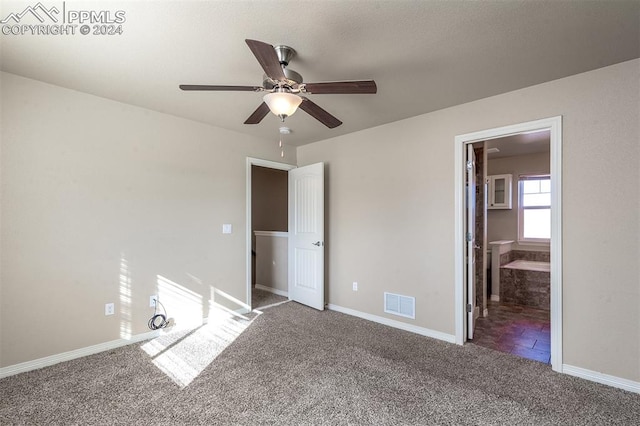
(227, 228)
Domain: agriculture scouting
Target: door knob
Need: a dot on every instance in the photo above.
(317, 243)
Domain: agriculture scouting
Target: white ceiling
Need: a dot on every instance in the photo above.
(520, 144)
(424, 55)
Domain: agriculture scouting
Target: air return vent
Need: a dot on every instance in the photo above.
(404, 306)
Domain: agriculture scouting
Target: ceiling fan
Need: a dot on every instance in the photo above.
(285, 87)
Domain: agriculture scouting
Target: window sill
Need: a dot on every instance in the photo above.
(543, 243)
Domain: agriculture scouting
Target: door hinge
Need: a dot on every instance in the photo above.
(469, 308)
(469, 237)
(469, 165)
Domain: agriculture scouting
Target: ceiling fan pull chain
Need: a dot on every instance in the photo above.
(281, 147)
(283, 131)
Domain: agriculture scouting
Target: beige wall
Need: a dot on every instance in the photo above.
(272, 261)
(269, 195)
(106, 202)
(390, 210)
(503, 224)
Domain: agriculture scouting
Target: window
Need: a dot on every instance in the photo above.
(534, 209)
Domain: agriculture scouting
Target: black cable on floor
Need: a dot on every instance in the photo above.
(158, 321)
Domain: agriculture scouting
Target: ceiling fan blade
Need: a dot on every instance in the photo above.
(231, 88)
(342, 87)
(266, 55)
(258, 114)
(318, 113)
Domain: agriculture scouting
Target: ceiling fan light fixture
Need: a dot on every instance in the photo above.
(282, 104)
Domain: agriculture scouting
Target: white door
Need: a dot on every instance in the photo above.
(306, 235)
(470, 236)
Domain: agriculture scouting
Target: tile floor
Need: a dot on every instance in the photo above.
(515, 329)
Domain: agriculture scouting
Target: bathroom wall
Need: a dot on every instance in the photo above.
(503, 224)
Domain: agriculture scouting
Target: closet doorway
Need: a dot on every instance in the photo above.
(269, 236)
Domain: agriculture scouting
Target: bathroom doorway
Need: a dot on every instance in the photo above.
(543, 328)
(518, 231)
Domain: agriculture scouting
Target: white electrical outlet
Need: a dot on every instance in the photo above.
(152, 301)
(355, 286)
(109, 308)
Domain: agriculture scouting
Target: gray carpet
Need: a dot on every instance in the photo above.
(296, 366)
(261, 298)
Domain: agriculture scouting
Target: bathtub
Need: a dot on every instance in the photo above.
(526, 282)
(529, 265)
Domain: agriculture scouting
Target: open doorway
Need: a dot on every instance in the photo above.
(304, 238)
(466, 300)
(267, 232)
(516, 297)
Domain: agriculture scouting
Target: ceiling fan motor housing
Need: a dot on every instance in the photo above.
(293, 79)
(285, 54)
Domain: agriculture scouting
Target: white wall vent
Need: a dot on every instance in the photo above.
(404, 306)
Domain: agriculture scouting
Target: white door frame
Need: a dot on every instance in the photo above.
(554, 125)
(262, 163)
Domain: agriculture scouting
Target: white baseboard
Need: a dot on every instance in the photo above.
(77, 353)
(272, 290)
(605, 379)
(495, 298)
(395, 324)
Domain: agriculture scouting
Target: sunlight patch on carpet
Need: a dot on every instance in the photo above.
(183, 354)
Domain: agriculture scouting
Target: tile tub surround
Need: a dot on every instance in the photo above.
(526, 283)
(500, 254)
(538, 256)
